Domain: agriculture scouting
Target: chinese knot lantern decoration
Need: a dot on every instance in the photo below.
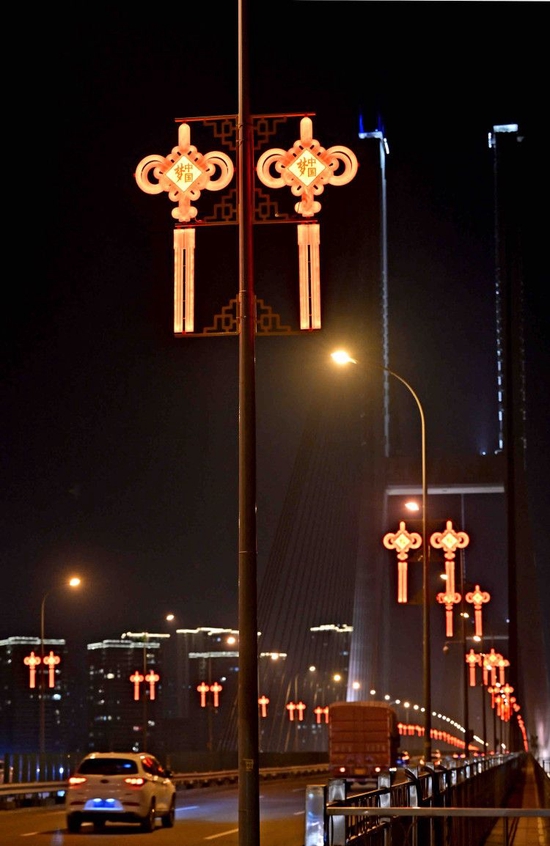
(292, 707)
(321, 712)
(449, 541)
(473, 659)
(477, 598)
(490, 663)
(32, 661)
(136, 679)
(402, 541)
(306, 168)
(263, 702)
(448, 599)
(51, 661)
(183, 174)
(215, 689)
(152, 678)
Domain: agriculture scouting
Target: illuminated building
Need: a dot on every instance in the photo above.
(20, 697)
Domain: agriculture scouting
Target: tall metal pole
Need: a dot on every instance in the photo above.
(468, 734)
(42, 729)
(248, 736)
(342, 357)
(426, 645)
(145, 715)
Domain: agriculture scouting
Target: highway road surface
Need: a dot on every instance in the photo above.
(204, 817)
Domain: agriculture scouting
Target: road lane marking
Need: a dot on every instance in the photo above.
(222, 834)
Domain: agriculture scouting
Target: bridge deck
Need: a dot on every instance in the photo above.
(523, 831)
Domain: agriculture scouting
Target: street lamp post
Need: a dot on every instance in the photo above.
(145, 714)
(73, 582)
(247, 700)
(341, 357)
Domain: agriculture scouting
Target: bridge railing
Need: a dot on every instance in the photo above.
(16, 794)
(458, 803)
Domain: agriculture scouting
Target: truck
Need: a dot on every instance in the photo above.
(363, 740)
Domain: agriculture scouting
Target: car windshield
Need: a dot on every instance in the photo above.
(108, 766)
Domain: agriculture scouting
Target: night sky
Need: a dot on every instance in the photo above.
(119, 441)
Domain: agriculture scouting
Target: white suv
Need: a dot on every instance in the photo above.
(120, 787)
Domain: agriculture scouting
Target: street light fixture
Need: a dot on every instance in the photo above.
(73, 582)
(341, 357)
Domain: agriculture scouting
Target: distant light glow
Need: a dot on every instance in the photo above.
(342, 357)
(506, 127)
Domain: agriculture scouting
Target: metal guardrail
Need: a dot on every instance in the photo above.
(11, 794)
(457, 804)
(462, 833)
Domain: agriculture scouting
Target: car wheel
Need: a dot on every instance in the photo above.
(148, 822)
(73, 823)
(169, 818)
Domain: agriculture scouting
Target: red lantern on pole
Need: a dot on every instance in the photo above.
(320, 712)
(448, 599)
(203, 689)
(136, 679)
(477, 598)
(51, 662)
(449, 541)
(32, 661)
(216, 689)
(473, 659)
(152, 678)
(402, 541)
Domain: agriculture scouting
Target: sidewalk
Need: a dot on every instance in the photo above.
(522, 831)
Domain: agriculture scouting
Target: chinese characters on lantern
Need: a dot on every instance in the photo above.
(305, 168)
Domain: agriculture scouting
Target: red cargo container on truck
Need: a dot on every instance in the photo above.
(363, 739)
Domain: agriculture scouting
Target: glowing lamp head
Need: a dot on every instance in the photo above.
(342, 357)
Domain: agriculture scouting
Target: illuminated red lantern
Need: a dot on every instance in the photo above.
(203, 689)
(320, 712)
(473, 659)
(263, 702)
(32, 661)
(402, 541)
(449, 541)
(152, 678)
(306, 168)
(448, 599)
(477, 598)
(216, 689)
(136, 679)
(51, 662)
